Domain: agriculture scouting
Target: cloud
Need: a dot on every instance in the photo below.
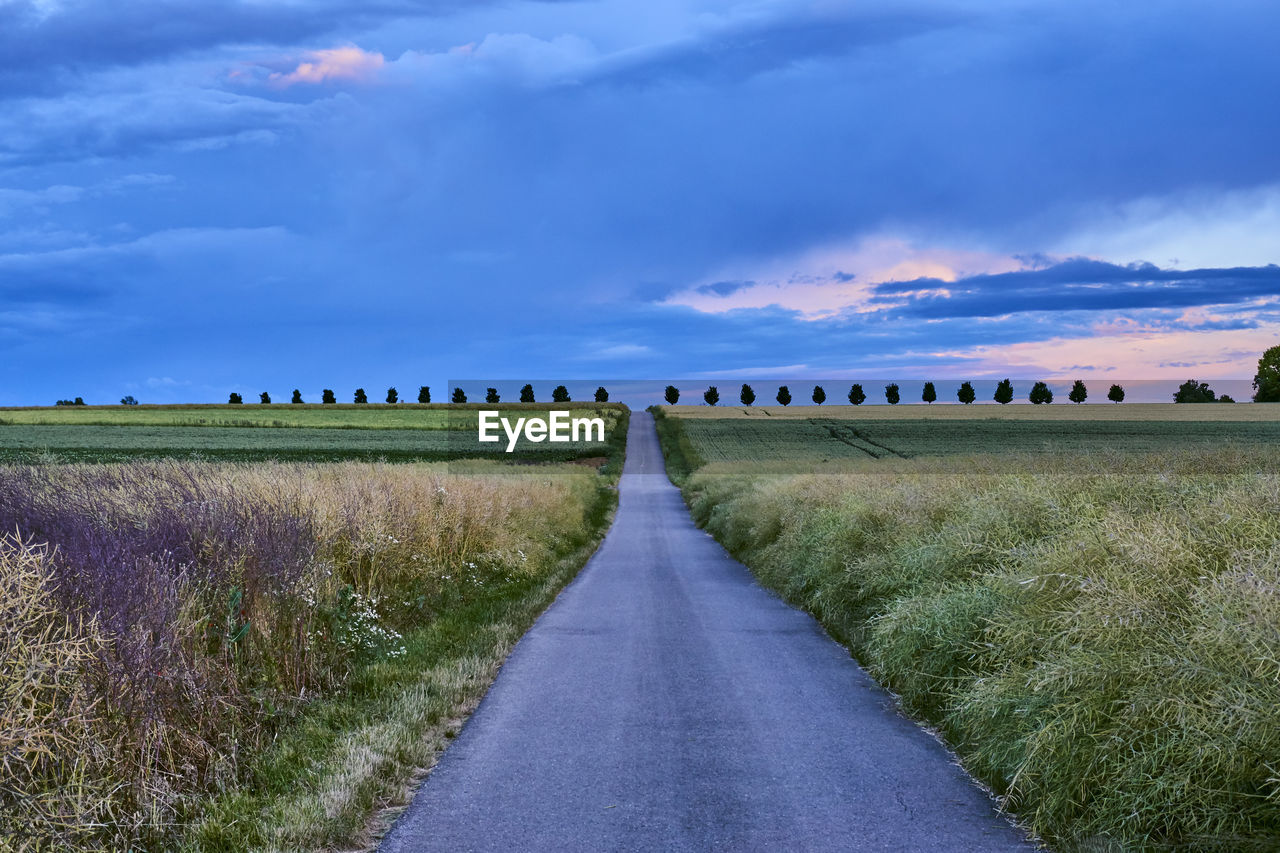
(723, 288)
(1197, 227)
(323, 66)
(44, 47)
(1078, 284)
(824, 281)
(14, 200)
(125, 124)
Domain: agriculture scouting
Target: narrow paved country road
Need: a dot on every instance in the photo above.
(667, 702)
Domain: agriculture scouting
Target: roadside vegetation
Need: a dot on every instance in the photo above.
(1096, 633)
(226, 656)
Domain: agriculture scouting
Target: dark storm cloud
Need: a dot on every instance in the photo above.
(1080, 284)
(724, 288)
(790, 37)
(43, 47)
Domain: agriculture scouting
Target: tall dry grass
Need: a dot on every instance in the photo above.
(160, 621)
(1098, 637)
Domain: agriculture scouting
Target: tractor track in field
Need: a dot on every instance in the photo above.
(840, 434)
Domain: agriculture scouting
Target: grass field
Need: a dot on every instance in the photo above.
(826, 435)
(726, 440)
(280, 432)
(200, 653)
(1163, 412)
(224, 656)
(401, 416)
(1086, 609)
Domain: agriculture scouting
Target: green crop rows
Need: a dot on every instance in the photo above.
(283, 433)
(818, 439)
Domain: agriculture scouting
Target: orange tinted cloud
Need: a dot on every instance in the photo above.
(840, 279)
(1132, 350)
(338, 63)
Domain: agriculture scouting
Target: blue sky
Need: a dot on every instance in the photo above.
(200, 197)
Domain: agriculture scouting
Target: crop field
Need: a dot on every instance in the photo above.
(432, 416)
(286, 432)
(1162, 412)
(1086, 608)
(207, 630)
(815, 440)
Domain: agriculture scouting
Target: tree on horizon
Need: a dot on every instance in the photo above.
(1116, 394)
(784, 395)
(1194, 392)
(965, 393)
(1078, 393)
(891, 394)
(711, 396)
(297, 396)
(424, 394)
(526, 394)
(264, 398)
(1040, 394)
(393, 396)
(602, 395)
(327, 396)
(819, 395)
(235, 399)
(491, 395)
(671, 395)
(360, 396)
(1004, 392)
(459, 396)
(747, 395)
(560, 394)
(856, 395)
(1266, 382)
(929, 394)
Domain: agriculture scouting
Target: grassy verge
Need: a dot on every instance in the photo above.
(677, 451)
(1097, 636)
(324, 783)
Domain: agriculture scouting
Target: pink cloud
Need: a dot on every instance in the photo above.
(826, 281)
(338, 63)
(1130, 350)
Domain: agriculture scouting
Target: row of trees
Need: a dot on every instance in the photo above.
(1266, 385)
(560, 394)
(1040, 394)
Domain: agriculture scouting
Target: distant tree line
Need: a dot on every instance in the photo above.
(1040, 393)
(1266, 387)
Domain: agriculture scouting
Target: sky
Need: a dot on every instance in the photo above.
(246, 195)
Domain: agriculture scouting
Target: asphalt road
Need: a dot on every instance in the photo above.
(666, 701)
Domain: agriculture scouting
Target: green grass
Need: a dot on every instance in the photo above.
(1087, 611)
(285, 433)
(830, 439)
(314, 741)
(338, 776)
(1018, 411)
(433, 416)
(348, 416)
